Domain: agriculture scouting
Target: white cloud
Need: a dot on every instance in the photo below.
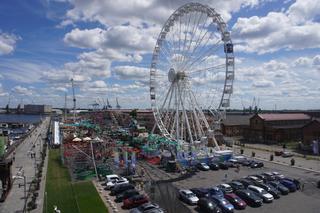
(279, 30)
(99, 84)
(22, 90)
(131, 72)
(87, 38)
(7, 43)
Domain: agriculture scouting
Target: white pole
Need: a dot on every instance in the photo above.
(94, 162)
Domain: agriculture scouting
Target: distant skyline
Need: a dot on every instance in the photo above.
(106, 47)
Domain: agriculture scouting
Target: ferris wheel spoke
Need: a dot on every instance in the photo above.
(193, 34)
(202, 57)
(216, 67)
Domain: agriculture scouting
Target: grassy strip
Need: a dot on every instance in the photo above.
(72, 198)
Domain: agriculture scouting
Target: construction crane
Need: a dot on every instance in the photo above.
(118, 106)
(108, 104)
(8, 104)
(74, 101)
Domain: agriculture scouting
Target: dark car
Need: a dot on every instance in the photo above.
(236, 201)
(126, 194)
(224, 166)
(200, 192)
(290, 185)
(269, 188)
(269, 176)
(262, 177)
(203, 167)
(223, 203)
(135, 201)
(226, 188)
(246, 182)
(121, 188)
(214, 166)
(215, 191)
(295, 181)
(256, 164)
(250, 197)
(208, 206)
(284, 190)
(236, 185)
(246, 162)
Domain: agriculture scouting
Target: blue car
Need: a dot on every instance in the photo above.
(215, 191)
(223, 203)
(289, 184)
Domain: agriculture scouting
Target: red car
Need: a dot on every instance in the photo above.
(135, 201)
(236, 201)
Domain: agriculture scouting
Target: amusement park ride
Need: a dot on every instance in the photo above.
(192, 69)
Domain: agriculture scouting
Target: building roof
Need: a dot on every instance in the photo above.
(293, 126)
(237, 120)
(284, 116)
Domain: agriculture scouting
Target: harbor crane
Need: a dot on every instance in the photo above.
(118, 106)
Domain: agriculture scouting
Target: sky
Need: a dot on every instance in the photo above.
(106, 46)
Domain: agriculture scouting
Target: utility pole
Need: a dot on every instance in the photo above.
(74, 101)
(65, 107)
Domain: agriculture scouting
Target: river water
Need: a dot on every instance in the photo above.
(19, 118)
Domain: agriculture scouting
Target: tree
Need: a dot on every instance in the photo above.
(133, 113)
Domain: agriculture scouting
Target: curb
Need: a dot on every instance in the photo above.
(285, 164)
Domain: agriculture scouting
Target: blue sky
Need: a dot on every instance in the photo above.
(106, 47)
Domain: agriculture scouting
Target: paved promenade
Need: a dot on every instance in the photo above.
(26, 165)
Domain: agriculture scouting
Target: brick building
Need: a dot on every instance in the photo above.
(275, 128)
(311, 132)
(235, 124)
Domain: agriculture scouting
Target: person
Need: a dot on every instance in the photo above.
(14, 155)
(302, 186)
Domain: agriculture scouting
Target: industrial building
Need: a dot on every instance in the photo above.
(37, 109)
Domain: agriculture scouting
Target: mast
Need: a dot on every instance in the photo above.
(118, 106)
(74, 101)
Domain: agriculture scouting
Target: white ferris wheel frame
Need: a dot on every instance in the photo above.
(229, 69)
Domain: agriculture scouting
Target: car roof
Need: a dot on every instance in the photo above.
(111, 176)
(187, 191)
(255, 187)
(231, 195)
(225, 185)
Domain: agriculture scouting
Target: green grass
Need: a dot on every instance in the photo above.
(80, 197)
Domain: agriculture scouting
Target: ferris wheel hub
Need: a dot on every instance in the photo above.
(174, 76)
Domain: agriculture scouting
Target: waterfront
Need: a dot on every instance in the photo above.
(20, 118)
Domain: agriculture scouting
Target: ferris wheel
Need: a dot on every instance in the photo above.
(192, 70)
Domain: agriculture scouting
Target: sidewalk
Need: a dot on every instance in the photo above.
(23, 162)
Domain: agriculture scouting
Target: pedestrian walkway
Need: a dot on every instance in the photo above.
(24, 165)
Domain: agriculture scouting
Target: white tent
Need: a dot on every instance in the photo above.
(87, 139)
(76, 140)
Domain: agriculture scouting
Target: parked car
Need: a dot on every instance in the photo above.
(278, 175)
(246, 162)
(295, 181)
(206, 205)
(112, 177)
(113, 183)
(188, 197)
(284, 190)
(236, 201)
(250, 197)
(290, 185)
(272, 190)
(126, 194)
(256, 164)
(215, 191)
(223, 165)
(203, 167)
(200, 192)
(254, 179)
(147, 208)
(245, 182)
(214, 166)
(121, 188)
(262, 177)
(287, 154)
(135, 201)
(278, 153)
(269, 176)
(236, 185)
(226, 188)
(223, 203)
(267, 197)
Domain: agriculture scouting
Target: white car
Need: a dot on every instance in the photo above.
(112, 177)
(267, 197)
(188, 196)
(114, 183)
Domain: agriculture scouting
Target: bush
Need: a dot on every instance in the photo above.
(31, 205)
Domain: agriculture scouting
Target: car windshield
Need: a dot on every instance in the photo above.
(224, 202)
(236, 199)
(264, 192)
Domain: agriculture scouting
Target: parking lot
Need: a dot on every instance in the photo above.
(306, 201)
